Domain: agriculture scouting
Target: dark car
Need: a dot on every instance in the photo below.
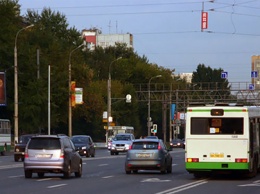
(176, 143)
(19, 147)
(148, 154)
(84, 145)
(51, 154)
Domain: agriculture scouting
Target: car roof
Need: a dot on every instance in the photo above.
(80, 136)
(147, 140)
(49, 136)
(124, 134)
(28, 135)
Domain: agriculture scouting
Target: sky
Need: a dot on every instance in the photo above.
(168, 32)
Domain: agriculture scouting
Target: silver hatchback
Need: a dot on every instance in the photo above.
(148, 154)
(51, 154)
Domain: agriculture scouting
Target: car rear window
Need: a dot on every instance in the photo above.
(44, 143)
(145, 145)
(122, 137)
(83, 140)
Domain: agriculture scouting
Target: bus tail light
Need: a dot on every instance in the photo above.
(193, 160)
(241, 160)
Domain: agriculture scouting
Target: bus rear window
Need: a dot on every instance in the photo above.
(225, 126)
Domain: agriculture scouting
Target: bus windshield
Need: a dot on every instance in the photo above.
(206, 126)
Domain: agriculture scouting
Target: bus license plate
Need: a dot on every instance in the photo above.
(217, 155)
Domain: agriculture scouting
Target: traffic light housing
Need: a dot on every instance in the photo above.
(154, 129)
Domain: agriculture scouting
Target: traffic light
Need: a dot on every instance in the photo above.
(154, 129)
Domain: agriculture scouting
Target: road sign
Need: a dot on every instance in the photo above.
(251, 87)
(254, 74)
(224, 75)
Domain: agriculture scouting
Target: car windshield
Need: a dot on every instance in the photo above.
(81, 140)
(176, 141)
(24, 139)
(122, 137)
(44, 143)
(144, 145)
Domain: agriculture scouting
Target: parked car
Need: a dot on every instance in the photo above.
(84, 145)
(148, 154)
(19, 147)
(176, 143)
(51, 154)
(121, 143)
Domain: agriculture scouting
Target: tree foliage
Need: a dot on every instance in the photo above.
(56, 42)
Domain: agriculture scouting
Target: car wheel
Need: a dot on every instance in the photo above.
(111, 153)
(16, 158)
(93, 154)
(40, 174)
(169, 169)
(135, 171)
(28, 174)
(87, 155)
(68, 172)
(116, 153)
(128, 171)
(79, 173)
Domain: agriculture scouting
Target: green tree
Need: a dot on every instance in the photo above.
(209, 83)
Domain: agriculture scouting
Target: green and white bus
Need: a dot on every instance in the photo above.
(222, 138)
(5, 136)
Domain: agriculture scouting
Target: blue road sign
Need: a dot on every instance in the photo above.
(254, 74)
(224, 75)
(251, 87)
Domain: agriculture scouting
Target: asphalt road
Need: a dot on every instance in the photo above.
(105, 174)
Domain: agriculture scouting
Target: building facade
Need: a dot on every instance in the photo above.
(94, 38)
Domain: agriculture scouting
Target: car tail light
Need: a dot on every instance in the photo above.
(192, 160)
(130, 147)
(159, 147)
(241, 160)
(26, 155)
(62, 155)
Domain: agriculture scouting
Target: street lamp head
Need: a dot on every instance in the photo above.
(159, 76)
(29, 26)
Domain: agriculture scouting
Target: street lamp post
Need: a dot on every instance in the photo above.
(109, 96)
(16, 85)
(149, 120)
(70, 102)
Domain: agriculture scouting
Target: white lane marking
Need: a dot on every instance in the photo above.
(54, 186)
(255, 184)
(155, 180)
(11, 166)
(17, 176)
(183, 187)
(45, 179)
(106, 177)
(103, 165)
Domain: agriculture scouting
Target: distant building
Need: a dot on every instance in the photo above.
(255, 60)
(186, 76)
(94, 38)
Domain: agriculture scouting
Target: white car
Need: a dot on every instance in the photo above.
(121, 143)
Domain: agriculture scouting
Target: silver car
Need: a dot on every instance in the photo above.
(121, 143)
(148, 154)
(51, 154)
